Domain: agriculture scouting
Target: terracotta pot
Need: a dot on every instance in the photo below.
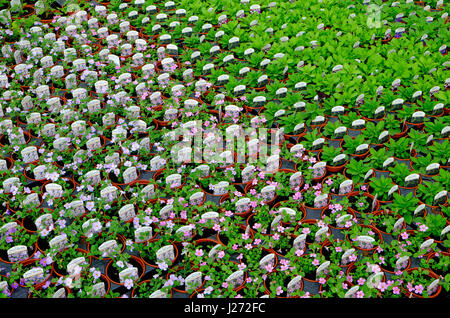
(148, 263)
(414, 295)
(377, 205)
(110, 272)
(31, 251)
(383, 212)
(39, 285)
(311, 221)
(134, 293)
(366, 251)
(57, 271)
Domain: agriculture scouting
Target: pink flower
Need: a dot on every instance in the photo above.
(315, 262)
(418, 289)
(198, 252)
(404, 235)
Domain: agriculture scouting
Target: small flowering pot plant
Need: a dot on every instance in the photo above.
(421, 283)
(338, 284)
(364, 237)
(437, 262)
(307, 264)
(91, 284)
(360, 202)
(387, 222)
(16, 236)
(157, 283)
(283, 283)
(336, 251)
(148, 252)
(392, 257)
(62, 258)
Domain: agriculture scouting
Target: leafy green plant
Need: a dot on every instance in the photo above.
(356, 170)
(381, 187)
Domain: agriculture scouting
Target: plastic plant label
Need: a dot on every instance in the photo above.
(412, 180)
(248, 173)
(243, 205)
(340, 159)
(318, 144)
(300, 242)
(268, 193)
(295, 179)
(392, 191)
(432, 288)
(323, 268)
(365, 241)
(9, 183)
(11, 227)
(368, 175)
(340, 132)
(60, 293)
(44, 221)
(143, 234)
(444, 232)
(130, 175)
(148, 191)
(216, 249)
(127, 213)
(267, 260)
(166, 211)
(345, 259)
(58, 243)
(3, 165)
(54, 190)
(93, 177)
(98, 290)
(420, 210)
(398, 225)
(440, 198)
(196, 198)
(337, 110)
(445, 132)
(158, 294)
(401, 263)
(91, 227)
(358, 124)
(165, 254)
(194, 280)
(433, 169)
(108, 248)
(361, 149)
(31, 200)
(156, 163)
(236, 279)
(275, 222)
(73, 264)
(321, 233)
(294, 285)
(128, 273)
(30, 154)
(288, 211)
(174, 180)
(319, 169)
(34, 275)
(375, 279)
(40, 172)
(77, 208)
(17, 253)
(345, 187)
(221, 188)
(351, 293)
